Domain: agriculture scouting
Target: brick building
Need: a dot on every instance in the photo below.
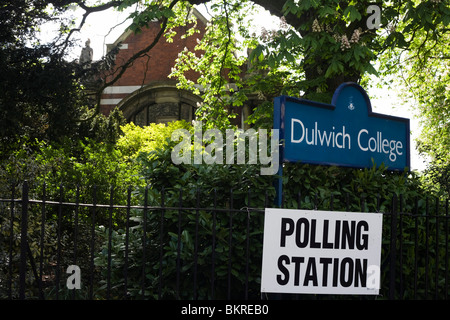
(144, 93)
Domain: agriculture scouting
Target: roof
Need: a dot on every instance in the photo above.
(129, 32)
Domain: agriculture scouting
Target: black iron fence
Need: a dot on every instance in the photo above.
(190, 244)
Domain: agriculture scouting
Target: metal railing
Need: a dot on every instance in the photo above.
(179, 249)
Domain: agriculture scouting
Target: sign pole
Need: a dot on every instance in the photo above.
(278, 124)
(279, 187)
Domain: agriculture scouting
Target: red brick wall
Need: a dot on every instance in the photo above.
(157, 65)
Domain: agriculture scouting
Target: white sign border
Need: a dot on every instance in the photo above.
(272, 250)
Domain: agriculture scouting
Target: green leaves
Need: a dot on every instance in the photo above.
(125, 4)
(290, 7)
(314, 186)
(326, 10)
(370, 69)
(219, 60)
(334, 68)
(153, 13)
(298, 7)
(257, 54)
(417, 56)
(351, 13)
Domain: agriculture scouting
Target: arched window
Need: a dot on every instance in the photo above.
(159, 102)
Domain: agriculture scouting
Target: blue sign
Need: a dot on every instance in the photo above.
(344, 133)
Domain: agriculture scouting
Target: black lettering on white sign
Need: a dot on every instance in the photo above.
(321, 252)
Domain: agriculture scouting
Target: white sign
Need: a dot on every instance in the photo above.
(321, 252)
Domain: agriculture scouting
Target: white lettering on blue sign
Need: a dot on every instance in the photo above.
(315, 136)
(343, 133)
(339, 138)
(392, 147)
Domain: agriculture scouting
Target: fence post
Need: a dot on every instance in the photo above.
(23, 241)
(393, 248)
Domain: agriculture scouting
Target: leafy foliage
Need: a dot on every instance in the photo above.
(419, 55)
(137, 139)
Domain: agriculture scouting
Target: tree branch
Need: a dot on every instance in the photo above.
(274, 7)
(88, 10)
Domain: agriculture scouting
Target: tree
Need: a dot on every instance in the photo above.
(421, 64)
(427, 78)
(43, 94)
(319, 45)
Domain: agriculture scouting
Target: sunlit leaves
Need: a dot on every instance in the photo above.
(419, 54)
